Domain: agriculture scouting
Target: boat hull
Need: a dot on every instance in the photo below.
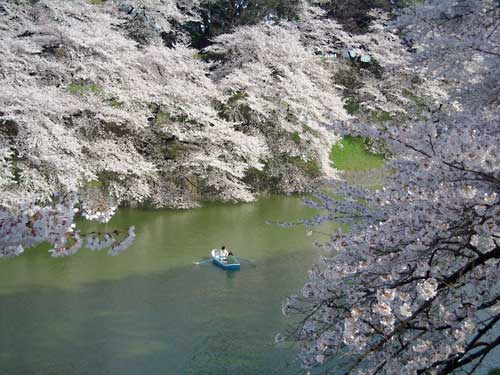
(226, 266)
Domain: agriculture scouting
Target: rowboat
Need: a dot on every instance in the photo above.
(222, 259)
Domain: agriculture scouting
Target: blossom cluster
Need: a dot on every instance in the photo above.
(31, 224)
(101, 213)
(414, 285)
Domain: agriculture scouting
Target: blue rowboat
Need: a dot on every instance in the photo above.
(227, 262)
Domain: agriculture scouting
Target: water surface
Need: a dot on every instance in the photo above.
(151, 310)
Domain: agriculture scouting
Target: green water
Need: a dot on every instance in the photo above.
(150, 310)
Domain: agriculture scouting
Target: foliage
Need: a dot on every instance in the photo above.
(310, 165)
(284, 168)
(81, 89)
(296, 137)
(380, 116)
(161, 118)
(115, 102)
(352, 105)
(347, 77)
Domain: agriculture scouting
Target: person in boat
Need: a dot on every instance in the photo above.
(228, 253)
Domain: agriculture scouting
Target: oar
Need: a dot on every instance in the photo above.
(203, 261)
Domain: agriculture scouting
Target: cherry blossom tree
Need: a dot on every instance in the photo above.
(412, 286)
(129, 116)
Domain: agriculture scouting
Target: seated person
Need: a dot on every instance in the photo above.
(225, 252)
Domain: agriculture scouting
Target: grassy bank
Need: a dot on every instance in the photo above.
(351, 155)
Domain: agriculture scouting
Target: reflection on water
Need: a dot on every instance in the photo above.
(150, 310)
(166, 240)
